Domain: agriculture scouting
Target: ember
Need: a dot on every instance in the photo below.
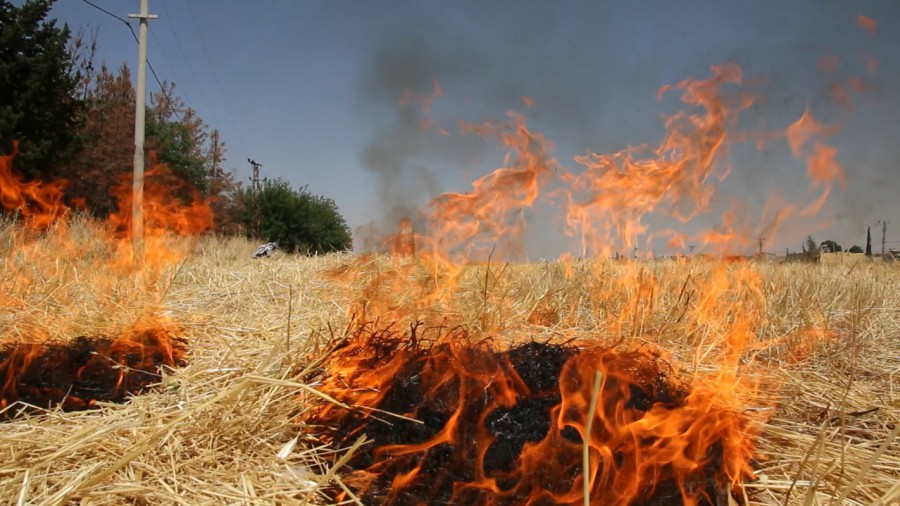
(485, 426)
(78, 374)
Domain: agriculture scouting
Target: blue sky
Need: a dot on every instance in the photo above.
(310, 89)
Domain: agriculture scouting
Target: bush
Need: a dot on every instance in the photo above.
(296, 219)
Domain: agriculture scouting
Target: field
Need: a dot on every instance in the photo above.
(810, 353)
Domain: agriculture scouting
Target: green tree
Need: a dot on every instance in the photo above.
(176, 136)
(855, 249)
(869, 241)
(38, 82)
(830, 246)
(298, 220)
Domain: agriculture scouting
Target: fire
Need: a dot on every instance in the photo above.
(510, 427)
(463, 226)
(604, 205)
(40, 204)
(641, 411)
(822, 165)
(92, 266)
(868, 24)
(86, 370)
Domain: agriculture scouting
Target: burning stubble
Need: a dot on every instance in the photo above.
(482, 425)
(84, 371)
(67, 275)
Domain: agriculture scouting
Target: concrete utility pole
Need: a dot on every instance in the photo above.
(883, 237)
(255, 188)
(137, 200)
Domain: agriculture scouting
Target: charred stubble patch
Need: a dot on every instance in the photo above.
(470, 444)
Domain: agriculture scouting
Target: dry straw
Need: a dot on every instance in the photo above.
(224, 430)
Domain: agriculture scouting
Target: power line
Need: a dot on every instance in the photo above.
(187, 61)
(101, 9)
(215, 76)
(134, 35)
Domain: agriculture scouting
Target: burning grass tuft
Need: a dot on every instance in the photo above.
(78, 373)
(480, 425)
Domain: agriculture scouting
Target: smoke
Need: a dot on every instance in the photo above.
(407, 149)
(593, 78)
(419, 88)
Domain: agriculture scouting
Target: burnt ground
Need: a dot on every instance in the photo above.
(487, 442)
(77, 374)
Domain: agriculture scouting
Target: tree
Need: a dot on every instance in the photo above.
(176, 135)
(830, 246)
(38, 108)
(176, 138)
(855, 249)
(107, 135)
(869, 241)
(811, 244)
(296, 219)
(224, 190)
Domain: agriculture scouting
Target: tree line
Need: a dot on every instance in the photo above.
(72, 119)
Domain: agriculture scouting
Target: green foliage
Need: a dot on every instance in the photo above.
(75, 123)
(830, 246)
(177, 136)
(868, 241)
(37, 88)
(855, 249)
(296, 219)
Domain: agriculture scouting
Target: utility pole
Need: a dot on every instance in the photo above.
(883, 237)
(254, 189)
(137, 198)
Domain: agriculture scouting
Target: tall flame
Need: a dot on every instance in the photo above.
(513, 423)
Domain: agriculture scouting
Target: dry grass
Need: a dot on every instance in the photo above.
(823, 354)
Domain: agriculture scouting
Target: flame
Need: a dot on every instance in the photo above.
(510, 427)
(170, 206)
(86, 370)
(822, 165)
(91, 263)
(39, 203)
(404, 242)
(608, 200)
(470, 225)
(866, 23)
(483, 423)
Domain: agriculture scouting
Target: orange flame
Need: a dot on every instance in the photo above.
(78, 374)
(83, 371)
(822, 165)
(866, 23)
(510, 428)
(170, 206)
(470, 225)
(39, 203)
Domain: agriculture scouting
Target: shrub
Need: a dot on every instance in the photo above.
(296, 219)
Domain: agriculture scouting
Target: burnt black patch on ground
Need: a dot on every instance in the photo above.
(477, 409)
(77, 374)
